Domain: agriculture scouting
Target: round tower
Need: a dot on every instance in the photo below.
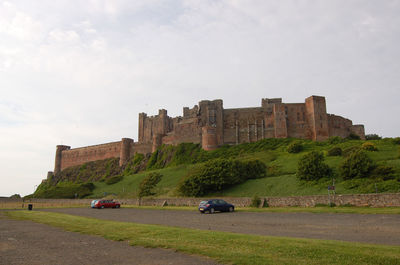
(57, 166)
(209, 138)
(126, 148)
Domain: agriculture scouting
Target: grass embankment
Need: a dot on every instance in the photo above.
(224, 247)
(322, 209)
(281, 177)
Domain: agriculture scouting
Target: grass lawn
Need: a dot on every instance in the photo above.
(228, 248)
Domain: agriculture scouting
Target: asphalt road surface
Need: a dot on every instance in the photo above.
(368, 228)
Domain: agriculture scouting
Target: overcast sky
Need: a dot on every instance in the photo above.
(79, 72)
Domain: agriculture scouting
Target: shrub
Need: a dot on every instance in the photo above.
(357, 165)
(64, 190)
(295, 147)
(254, 169)
(335, 140)
(396, 140)
(348, 151)
(372, 137)
(133, 166)
(335, 151)
(369, 146)
(353, 136)
(312, 167)
(383, 172)
(114, 179)
(255, 201)
(148, 183)
(217, 174)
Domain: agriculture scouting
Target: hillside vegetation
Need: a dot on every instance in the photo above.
(280, 156)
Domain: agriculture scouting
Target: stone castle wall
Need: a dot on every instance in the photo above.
(67, 157)
(210, 125)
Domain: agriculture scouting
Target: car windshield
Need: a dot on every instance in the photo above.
(203, 202)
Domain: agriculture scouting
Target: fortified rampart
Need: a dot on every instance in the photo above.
(210, 125)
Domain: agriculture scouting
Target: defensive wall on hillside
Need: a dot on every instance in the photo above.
(211, 126)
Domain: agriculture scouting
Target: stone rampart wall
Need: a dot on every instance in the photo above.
(79, 156)
(371, 200)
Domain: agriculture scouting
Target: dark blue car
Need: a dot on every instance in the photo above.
(211, 206)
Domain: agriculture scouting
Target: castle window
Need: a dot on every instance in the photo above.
(298, 116)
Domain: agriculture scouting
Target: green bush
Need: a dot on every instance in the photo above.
(335, 140)
(353, 136)
(372, 137)
(114, 179)
(217, 174)
(312, 167)
(148, 183)
(255, 201)
(357, 165)
(134, 164)
(295, 147)
(64, 190)
(335, 151)
(369, 146)
(254, 169)
(383, 172)
(396, 140)
(348, 151)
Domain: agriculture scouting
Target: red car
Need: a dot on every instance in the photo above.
(100, 204)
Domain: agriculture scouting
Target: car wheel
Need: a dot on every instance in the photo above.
(212, 210)
(201, 212)
(116, 206)
(231, 209)
(102, 207)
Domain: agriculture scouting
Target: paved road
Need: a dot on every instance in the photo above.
(377, 229)
(26, 242)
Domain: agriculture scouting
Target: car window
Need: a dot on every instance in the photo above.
(221, 202)
(215, 201)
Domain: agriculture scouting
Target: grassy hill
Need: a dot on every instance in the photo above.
(174, 163)
(281, 177)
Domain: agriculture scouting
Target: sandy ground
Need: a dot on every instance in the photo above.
(368, 228)
(25, 242)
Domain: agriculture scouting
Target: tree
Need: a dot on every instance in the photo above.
(357, 165)
(312, 167)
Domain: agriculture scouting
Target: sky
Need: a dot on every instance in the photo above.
(79, 72)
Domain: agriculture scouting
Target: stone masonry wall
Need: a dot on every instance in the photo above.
(371, 200)
(78, 156)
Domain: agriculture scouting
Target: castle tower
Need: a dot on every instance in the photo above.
(212, 115)
(58, 160)
(317, 118)
(209, 139)
(125, 153)
(157, 142)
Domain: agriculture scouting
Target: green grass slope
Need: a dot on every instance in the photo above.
(281, 177)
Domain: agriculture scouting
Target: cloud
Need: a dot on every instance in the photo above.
(79, 74)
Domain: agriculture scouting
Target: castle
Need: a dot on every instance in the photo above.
(210, 125)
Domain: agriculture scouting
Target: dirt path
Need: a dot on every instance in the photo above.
(368, 228)
(25, 242)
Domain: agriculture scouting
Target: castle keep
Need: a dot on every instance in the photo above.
(210, 125)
